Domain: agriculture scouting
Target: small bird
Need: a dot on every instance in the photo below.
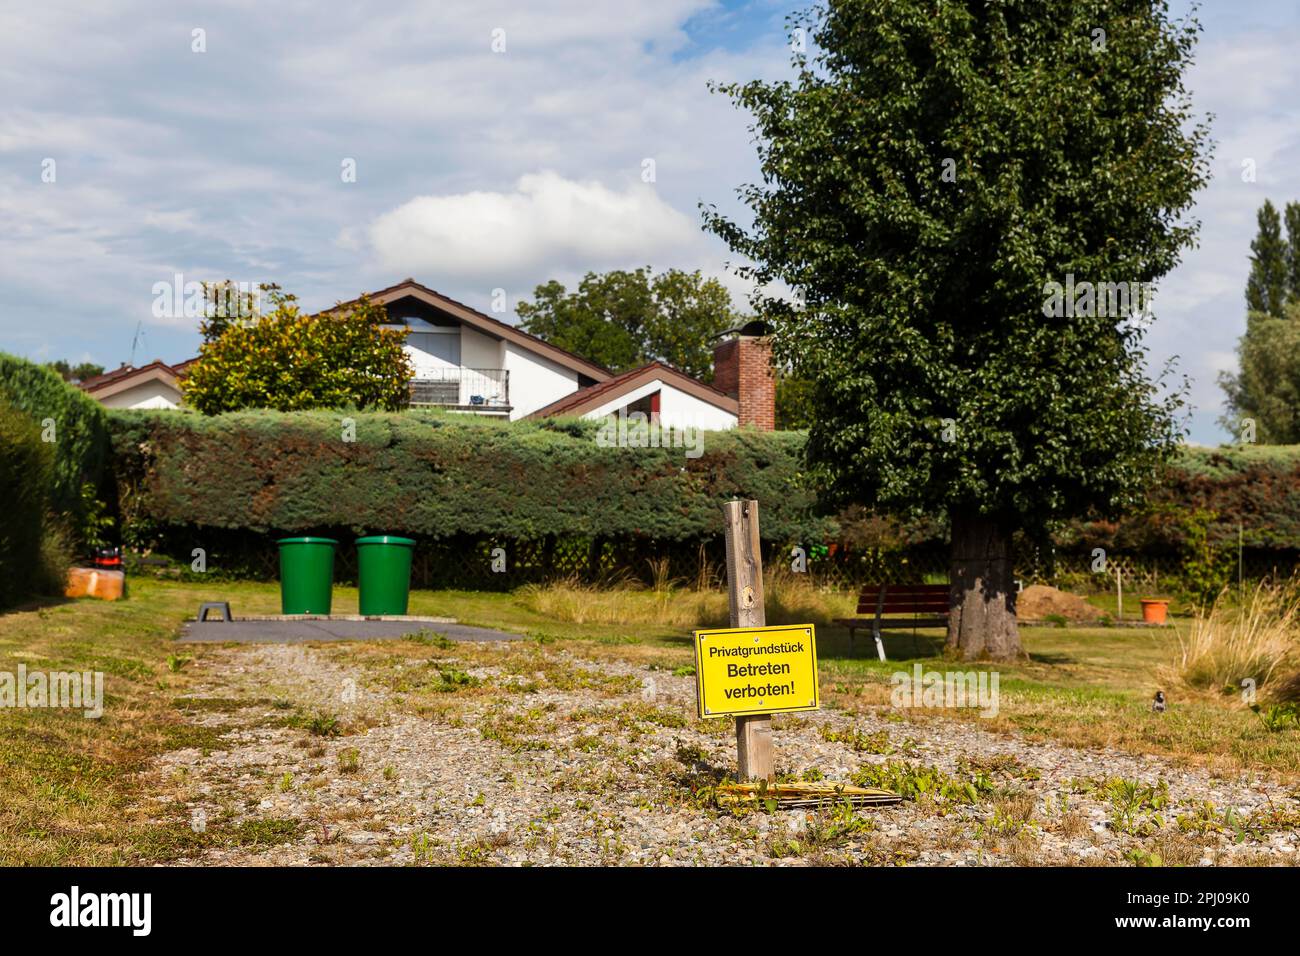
(1158, 704)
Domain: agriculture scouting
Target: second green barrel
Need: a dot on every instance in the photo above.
(384, 574)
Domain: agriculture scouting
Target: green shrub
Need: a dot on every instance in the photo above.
(439, 476)
(58, 554)
(26, 464)
(1206, 498)
(1207, 569)
(79, 429)
(287, 359)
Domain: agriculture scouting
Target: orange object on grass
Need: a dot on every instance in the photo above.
(1154, 610)
(97, 583)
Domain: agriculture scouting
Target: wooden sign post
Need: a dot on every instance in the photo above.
(745, 594)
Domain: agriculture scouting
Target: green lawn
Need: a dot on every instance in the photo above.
(69, 786)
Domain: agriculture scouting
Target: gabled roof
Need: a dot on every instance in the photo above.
(129, 376)
(485, 323)
(588, 399)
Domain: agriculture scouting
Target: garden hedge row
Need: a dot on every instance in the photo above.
(80, 428)
(26, 464)
(1254, 489)
(438, 475)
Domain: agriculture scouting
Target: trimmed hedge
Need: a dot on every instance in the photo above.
(26, 464)
(81, 440)
(1256, 487)
(439, 476)
(454, 482)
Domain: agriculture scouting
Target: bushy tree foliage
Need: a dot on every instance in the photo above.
(1263, 395)
(932, 166)
(1266, 286)
(795, 402)
(625, 319)
(71, 422)
(26, 468)
(287, 360)
(75, 373)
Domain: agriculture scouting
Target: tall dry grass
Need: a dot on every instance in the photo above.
(789, 598)
(1259, 639)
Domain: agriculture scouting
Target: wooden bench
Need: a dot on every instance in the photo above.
(926, 603)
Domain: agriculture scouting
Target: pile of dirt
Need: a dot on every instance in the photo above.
(1038, 601)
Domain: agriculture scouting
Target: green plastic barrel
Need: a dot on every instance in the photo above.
(306, 575)
(384, 574)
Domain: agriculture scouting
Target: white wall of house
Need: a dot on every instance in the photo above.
(677, 409)
(478, 350)
(145, 395)
(535, 381)
(436, 351)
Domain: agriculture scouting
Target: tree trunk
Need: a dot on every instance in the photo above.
(982, 600)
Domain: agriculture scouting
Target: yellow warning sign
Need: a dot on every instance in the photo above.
(756, 670)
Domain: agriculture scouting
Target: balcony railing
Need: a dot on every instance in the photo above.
(485, 388)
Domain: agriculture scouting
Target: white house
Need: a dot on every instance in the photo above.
(472, 363)
(156, 385)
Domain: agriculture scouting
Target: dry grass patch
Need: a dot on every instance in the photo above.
(1226, 646)
(1175, 848)
(789, 598)
(1072, 824)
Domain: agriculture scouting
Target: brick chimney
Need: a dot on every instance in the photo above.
(742, 367)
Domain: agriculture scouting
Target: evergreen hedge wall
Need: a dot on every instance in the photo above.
(1254, 489)
(232, 483)
(438, 476)
(26, 464)
(81, 443)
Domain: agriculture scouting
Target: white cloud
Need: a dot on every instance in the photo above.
(546, 224)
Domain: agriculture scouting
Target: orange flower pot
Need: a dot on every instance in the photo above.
(1154, 610)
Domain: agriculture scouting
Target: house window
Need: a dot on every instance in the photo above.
(433, 353)
(647, 405)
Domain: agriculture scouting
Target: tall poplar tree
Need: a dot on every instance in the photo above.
(1266, 286)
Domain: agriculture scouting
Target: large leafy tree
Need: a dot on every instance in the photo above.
(288, 360)
(932, 166)
(623, 319)
(795, 402)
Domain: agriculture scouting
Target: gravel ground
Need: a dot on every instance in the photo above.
(513, 755)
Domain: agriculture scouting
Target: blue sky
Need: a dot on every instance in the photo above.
(476, 170)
